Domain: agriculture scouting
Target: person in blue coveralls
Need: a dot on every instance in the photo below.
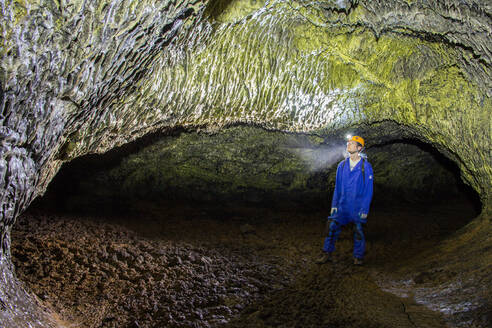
(351, 200)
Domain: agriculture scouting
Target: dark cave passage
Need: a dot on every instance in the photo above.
(241, 257)
(293, 169)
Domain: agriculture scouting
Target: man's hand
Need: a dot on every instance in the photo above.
(334, 210)
(363, 217)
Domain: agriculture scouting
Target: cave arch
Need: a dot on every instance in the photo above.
(379, 136)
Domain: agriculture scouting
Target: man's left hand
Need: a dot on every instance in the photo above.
(363, 217)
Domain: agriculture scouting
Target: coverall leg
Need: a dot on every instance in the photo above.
(359, 240)
(334, 231)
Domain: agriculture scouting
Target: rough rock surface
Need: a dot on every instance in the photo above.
(86, 76)
(179, 266)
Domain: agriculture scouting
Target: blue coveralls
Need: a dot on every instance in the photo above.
(352, 197)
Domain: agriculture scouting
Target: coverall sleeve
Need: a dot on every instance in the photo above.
(368, 188)
(338, 187)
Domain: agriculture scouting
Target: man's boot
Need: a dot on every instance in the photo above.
(325, 257)
(358, 261)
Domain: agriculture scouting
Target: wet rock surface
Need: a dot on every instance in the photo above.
(232, 267)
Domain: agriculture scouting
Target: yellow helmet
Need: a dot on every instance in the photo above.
(357, 139)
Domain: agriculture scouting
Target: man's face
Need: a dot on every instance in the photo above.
(352, 147)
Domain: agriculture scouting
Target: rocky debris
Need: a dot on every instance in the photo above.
(196, 271)
(103, 275)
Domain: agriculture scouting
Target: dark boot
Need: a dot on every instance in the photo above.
(358, 261)
(325, 257)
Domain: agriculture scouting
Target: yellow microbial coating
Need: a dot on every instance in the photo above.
(345, 61)
(231, 11)
(12, 15)
(277, 69)
(20, 10)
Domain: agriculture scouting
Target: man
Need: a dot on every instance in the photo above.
(351, 200)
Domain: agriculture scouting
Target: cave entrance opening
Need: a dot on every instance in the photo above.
(194, 229)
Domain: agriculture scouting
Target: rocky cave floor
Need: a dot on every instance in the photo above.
(237, 267)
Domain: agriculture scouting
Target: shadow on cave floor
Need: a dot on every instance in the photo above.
(179, 266)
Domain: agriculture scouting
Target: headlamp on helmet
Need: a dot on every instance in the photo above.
(357, 139)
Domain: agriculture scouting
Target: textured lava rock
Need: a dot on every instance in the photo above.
(190, 267)
(86, 76)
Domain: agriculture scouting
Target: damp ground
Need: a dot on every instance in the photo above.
(181, 266)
